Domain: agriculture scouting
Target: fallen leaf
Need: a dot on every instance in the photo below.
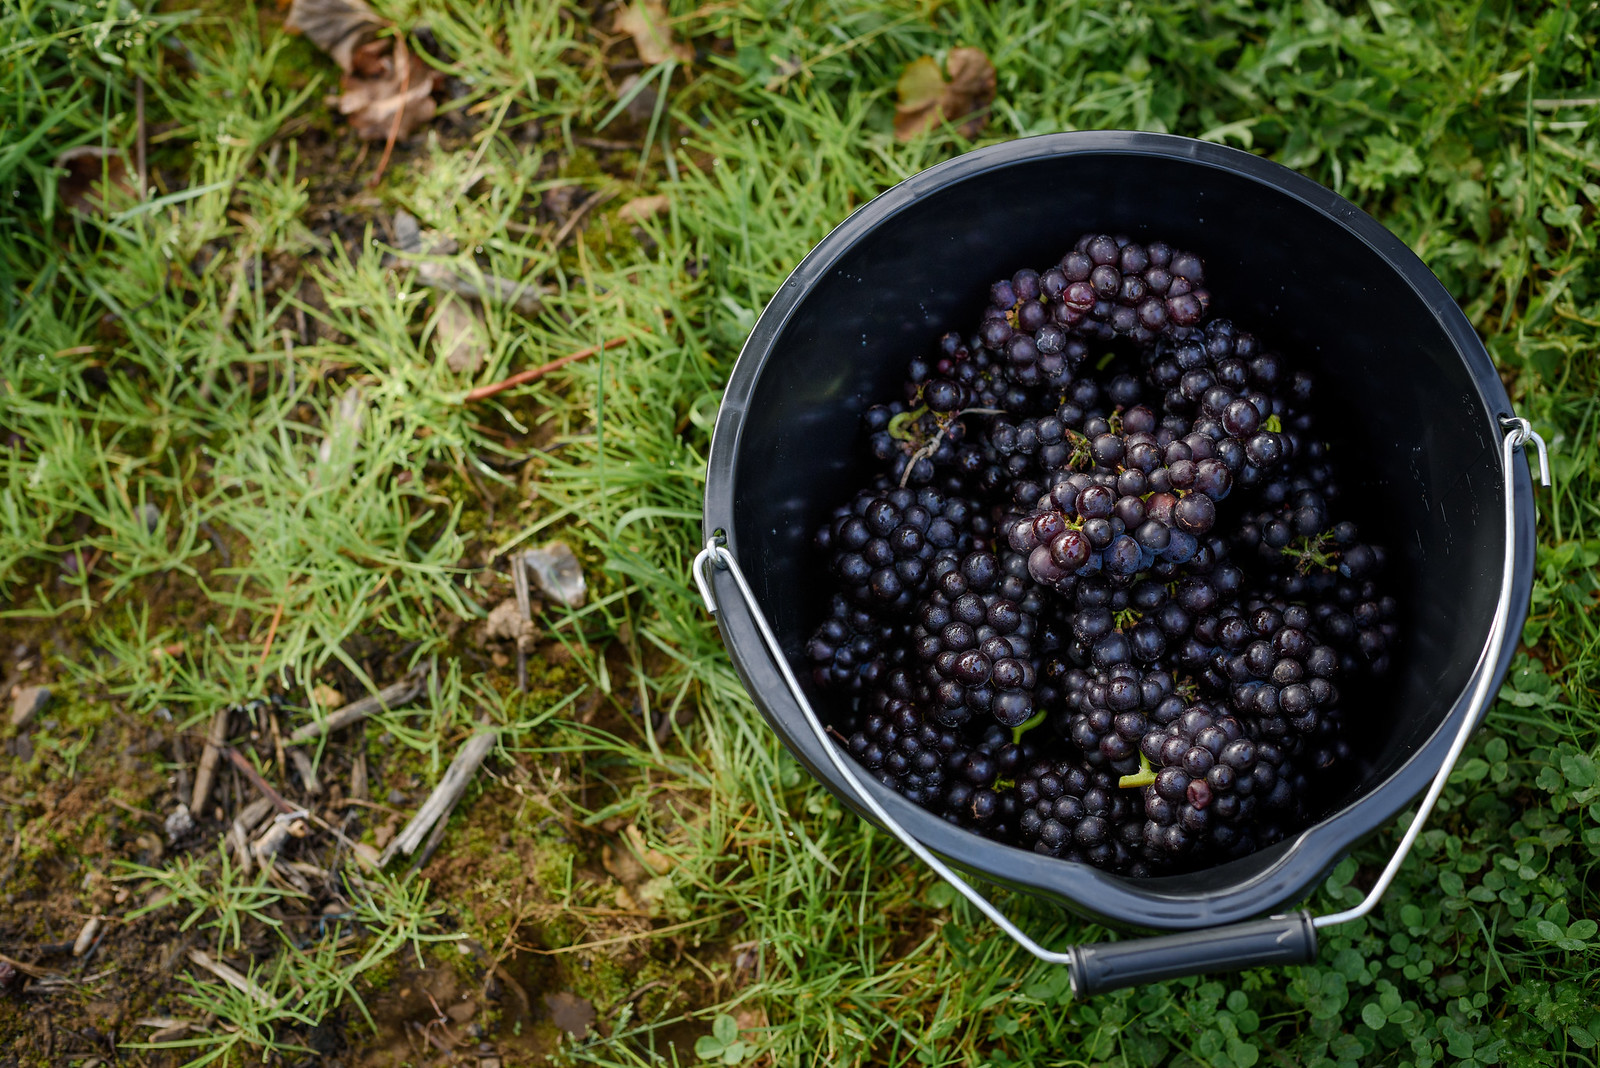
(570, 1012)
(396, 97)
(338, 27)
(94, 176)
(387, 91)
(646, 22)
(926, 98)
(920, 86)
(639, 209)
(459, 335)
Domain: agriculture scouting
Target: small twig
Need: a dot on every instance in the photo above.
(244, 825)
(249, 771)
(180, 756)
(577, 216)
(392, 696)
(444, 797)
(361, 802)
(239, 982)
(637, 993)
(28, 969)
(217, 543)
(523, 377)
(399, 113)
(619, 939)
(272, 632)
(435, 837)
(140, 812)
(933, 443)
(432, 1039)
(512, 984)
(307, 773)
(519, 583)
(608, 146)
(208, 761)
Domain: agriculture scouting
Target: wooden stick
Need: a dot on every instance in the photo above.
(239, 982)
(140, 812)
(393, 696)
(401, 52)
(308, 774)
(576, 217)
(272, 632)
(32, 970)
(444, 797)
(249, 771)
(522, 377)
(208, 761)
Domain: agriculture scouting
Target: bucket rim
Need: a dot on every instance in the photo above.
(1303, 858)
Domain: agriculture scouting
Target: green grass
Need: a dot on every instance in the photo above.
(158, 390)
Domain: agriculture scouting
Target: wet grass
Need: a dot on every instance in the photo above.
(231, 441)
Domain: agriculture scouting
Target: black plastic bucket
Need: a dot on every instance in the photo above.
(1305, 270)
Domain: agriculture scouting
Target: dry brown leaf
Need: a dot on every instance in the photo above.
(646, 22)
(387, 91)
(338, 27)
(95, 176)
(926, 98)
(639, 209)
(459, 335)
(920, 87)
(399, 84)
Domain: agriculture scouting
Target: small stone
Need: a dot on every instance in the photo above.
(180, 823)
(555, 568)
(151, 516)
(395, 797)
(86, 936)
(28, 702)
(327, 696)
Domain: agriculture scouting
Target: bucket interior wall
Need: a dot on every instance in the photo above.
(1417, 446)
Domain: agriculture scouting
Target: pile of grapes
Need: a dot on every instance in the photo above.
(1098, 601)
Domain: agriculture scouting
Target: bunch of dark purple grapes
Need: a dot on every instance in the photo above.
(1099, 600)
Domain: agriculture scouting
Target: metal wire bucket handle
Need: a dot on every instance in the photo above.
(1279, 940)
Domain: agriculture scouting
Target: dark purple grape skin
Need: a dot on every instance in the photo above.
(1145, 568)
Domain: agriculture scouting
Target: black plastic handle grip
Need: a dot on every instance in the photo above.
(1105, 966)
